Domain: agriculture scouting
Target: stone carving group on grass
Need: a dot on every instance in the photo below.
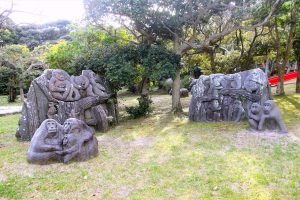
(60, 108)
(232, 97)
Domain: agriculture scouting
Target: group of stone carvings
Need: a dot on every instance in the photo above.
(232, 97)
(57, 95)
(78, 102)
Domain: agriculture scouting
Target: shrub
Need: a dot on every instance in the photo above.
(144, 108)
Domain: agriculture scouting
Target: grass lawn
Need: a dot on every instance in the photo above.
(162, 157)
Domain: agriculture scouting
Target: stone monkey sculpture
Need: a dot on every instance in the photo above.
(271, 117)
(82, 83)
(97, 88)
(225, 107)
(236, 111)
(45, 144)
(254, 115)
(79, 142)
(214, 109)
(59, 84)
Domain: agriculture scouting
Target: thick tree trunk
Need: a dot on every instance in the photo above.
(289, 44)
(298, 77)
(176, 104)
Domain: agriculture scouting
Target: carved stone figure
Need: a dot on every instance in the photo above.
(52, 142)
(60, 84)
(254, 115)
(46, 145)
(213, 113)
(271, 118)
(79, 142)
(236, 111)
(227, 100)
(56, 95)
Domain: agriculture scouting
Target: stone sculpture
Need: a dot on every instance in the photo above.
(271, 118)
(52, 142)
(56, 95)
(46, 143)
(254, 115)
(231, 97)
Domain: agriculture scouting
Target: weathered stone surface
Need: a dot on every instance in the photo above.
(56, 95)
(52, 142)
(220, 97)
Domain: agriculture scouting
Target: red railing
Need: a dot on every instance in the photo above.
(289, 76)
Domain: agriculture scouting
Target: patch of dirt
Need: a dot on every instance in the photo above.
(2, 178)
(2, 145)
(122, 192)
(113, 141)
(247, 138)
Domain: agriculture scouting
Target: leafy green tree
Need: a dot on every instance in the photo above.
(187, 25)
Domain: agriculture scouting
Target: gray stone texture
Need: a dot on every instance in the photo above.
(231, 97)
(56, 95)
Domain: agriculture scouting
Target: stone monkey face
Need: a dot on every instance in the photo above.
(71, 125)
(255, 108)
(226, 101)
(215, 104)
(268, 107)
(237, 104)
(51, 126)
(60, 75)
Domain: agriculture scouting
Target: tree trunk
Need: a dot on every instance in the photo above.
(212, 60)
(176, 104)
(12, 94)
(145, 87)
(298, 76)
(289, 44)
(21, 91)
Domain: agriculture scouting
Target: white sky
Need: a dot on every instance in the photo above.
(41, 11)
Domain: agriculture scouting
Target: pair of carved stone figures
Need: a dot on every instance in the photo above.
(220, 97)
(53, 142)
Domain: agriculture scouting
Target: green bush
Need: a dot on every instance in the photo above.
(144, 108)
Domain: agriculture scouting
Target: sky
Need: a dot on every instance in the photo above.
(42, 11)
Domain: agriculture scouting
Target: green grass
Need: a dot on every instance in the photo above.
(163, 157)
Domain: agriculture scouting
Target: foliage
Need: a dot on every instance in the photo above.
(144, 108)
(18, 67)
(61, 55)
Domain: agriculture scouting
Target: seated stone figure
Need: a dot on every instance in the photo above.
(45, 145)
(236, 111)
(60, 84)
(254, 115)
(271, 118)
(79, 143)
